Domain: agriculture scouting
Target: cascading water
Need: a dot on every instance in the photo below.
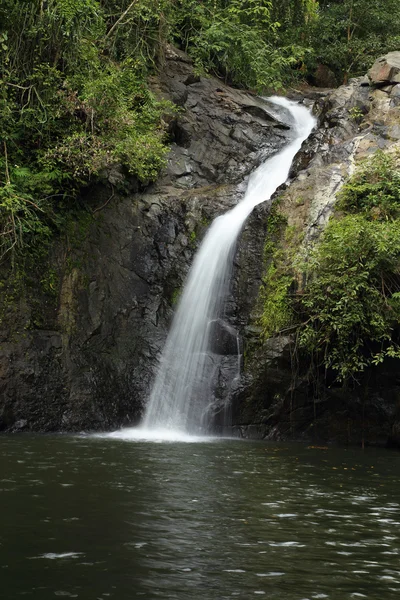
(181, 393)
(180, 396)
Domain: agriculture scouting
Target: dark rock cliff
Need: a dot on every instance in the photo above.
(84, 357)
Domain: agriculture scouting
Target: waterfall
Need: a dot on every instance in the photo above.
(181, 391)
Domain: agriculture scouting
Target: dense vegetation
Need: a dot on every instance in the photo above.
(73, 103)
(74, 99)
(342, 297)
(268, 43)
(351, 34)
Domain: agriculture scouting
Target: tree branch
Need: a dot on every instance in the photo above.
(120, 19)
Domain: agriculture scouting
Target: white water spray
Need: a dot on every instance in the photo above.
(181, 391)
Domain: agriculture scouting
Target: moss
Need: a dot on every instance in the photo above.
(50, 282)
(277, 311)
(77, 226)
(278, 284)
(175, 296)
(276, 223)
(192, 239)
(205, 221)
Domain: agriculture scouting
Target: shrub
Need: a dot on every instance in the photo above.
(342, 296)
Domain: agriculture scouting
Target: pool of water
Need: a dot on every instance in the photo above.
(97, 518)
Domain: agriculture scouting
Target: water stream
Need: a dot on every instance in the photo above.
(181, 391)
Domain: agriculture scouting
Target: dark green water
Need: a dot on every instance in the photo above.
(101, 518)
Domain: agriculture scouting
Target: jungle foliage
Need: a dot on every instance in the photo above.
(74, 103)
(269, 43)
(74, 98)
(342, 296)
(351, 34)
(242, 41)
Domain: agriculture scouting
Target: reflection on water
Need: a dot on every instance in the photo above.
(106, 518)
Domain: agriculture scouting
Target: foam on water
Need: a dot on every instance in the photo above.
(158, 435)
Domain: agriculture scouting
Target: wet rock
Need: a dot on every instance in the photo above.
(220, 126)
(394, 438)
(276, 348)
(325, 77)
(395, 96)
(223, 338)
(364, 81)
(20, 425)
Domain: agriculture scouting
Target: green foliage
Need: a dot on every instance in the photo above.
(374, 190)
(277, 309)
(121, 126)
(279, 251)
(350, 302)
(276, 225)
(136, 28)
(20, 219)
(238, 40)
(268, 43)
(356, 114)
(73, 103)
(351, 34)
(343, 297)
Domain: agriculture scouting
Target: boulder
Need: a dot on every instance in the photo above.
(386, 69)
(325, 77)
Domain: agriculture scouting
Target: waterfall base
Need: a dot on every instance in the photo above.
(159, 435)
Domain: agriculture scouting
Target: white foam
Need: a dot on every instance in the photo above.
(159, 435)
(55, 556)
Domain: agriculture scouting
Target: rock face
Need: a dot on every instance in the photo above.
(275, 399)
(81, 353)
(83, 356)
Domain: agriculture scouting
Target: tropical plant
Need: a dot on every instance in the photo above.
(350, 303)
(341, 297)
(238, 40)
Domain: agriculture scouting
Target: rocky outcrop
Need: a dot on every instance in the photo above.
(276, 399)
(386, 70)
(80, 342)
